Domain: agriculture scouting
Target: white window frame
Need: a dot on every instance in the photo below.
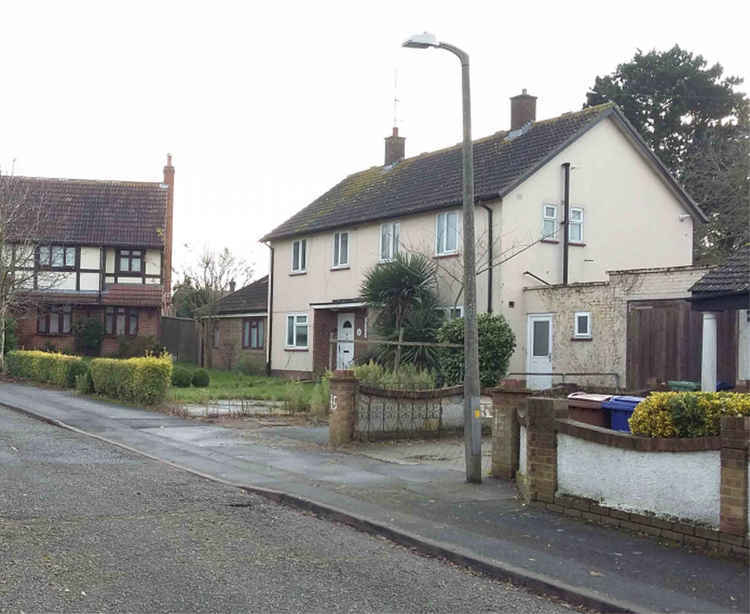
(341, 264)
(446, 252)
(302, 256)
(578, 334)
(295, 323)
(571, 223)
(546, 218)
(394, 247)
(447, 309)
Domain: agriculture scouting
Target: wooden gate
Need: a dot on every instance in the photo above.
(664, 342)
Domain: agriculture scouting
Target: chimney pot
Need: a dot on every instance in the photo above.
(232, 285)
(395, 148)
(522, 110)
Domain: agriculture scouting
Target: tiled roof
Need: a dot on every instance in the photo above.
(253, 297)
(731, 277)
(88, 212)
(434, 180)
(132, 295)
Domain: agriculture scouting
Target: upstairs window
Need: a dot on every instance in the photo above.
(121, 321)
(131, 261)
(252, 334)
(299, 256)
(575, 225)
(340, 249)
(549, 223)
(57, 257)
(55, 320)
(582, 325)
(389, 241)
(447, 233)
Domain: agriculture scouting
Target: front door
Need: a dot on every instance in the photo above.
(539, 352)
(345, 345)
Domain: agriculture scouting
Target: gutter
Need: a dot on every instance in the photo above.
(269, 332)
(489, 257)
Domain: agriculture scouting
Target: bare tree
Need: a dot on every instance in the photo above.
(207, 281)
(23, 217)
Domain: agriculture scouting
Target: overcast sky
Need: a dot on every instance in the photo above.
(265, 106)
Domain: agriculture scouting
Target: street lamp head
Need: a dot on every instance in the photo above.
(421, 41)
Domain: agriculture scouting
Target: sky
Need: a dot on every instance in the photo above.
(265, 106)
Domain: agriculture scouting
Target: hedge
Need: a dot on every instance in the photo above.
(141, 380)
(45, 367)
(686, 414)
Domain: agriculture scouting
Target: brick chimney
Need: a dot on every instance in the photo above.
(522, 110)
(394, 148)
(232, 285)
(167, 263)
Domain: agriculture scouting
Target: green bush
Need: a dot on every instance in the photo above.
(45, 367)
(141, 380)
(408, 377)
(89, 334)
(181, 377)
(201, 378)
(686, 414)
(496, 345)
(11, 339)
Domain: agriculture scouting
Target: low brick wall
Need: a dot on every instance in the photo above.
(389, 414)
(694, 492)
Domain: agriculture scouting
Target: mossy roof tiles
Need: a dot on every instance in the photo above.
(253, 297)
(434, 180)
(731, 277)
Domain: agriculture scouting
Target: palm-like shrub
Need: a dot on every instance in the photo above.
(402, 291)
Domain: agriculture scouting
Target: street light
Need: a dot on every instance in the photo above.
(472, 424)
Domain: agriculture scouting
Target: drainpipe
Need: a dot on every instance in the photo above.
(269, 321)
(489, 258)
(566, 205)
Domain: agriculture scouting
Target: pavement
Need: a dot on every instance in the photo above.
(427, 507)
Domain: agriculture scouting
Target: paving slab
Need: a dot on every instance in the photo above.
(484, 525)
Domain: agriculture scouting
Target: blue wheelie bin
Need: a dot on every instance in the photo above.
(620, 409)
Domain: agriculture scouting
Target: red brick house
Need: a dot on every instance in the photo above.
(235, 336)
(108, 246)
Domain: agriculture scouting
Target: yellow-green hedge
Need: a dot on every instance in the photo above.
(686, 414)
(141, 380)
(45, 367)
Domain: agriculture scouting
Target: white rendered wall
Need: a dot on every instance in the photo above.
(681, 484)
(153, 262)
(743, 362)
(522, 451)
(89, 281)
(90, 258)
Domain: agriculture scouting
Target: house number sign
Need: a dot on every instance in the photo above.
(333, 402)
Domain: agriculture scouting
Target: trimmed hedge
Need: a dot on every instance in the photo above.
(141, 380)
(181, 377)
(686, 414)
(45, 367)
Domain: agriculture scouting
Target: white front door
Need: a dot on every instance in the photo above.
(539, 352)
(345, 345)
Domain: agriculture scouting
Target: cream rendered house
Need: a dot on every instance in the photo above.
(625, 212)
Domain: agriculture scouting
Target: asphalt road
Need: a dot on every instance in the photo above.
(88, 527)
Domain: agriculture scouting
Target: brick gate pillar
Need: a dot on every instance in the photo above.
(343, 387)
(735, 434)
(505, 430)
(541, 449)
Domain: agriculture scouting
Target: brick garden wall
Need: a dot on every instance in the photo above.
(548, 480)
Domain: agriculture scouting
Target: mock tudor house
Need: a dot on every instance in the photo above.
(558, 201)
(107, 246)
(236, 334)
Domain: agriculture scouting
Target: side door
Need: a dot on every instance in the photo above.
(539, 351)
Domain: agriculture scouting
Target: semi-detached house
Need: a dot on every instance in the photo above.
(103, 250)
(625, 211)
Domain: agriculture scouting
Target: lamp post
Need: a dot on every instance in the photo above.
(472, 423)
